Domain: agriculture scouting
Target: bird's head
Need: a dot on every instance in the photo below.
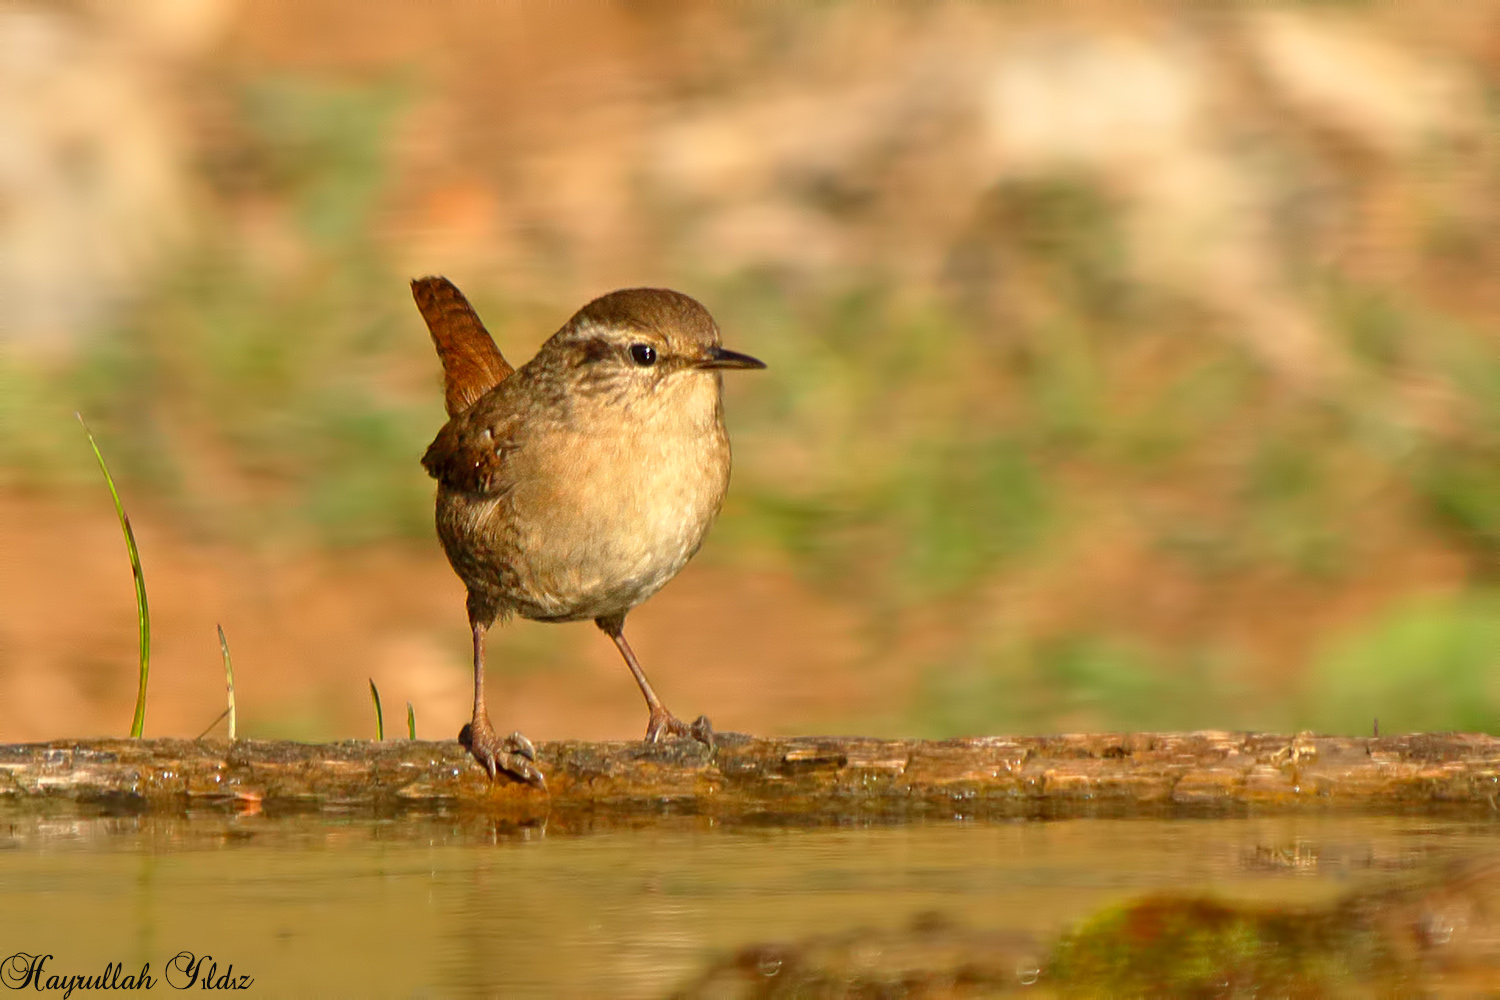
(637, 341)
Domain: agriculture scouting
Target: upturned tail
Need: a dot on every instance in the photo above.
(472, 364)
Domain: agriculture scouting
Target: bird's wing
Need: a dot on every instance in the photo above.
(472, 364)
(472, 451)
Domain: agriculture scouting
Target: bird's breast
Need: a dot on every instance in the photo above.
(610, 505)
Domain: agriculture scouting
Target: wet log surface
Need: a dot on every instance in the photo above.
(792, 779)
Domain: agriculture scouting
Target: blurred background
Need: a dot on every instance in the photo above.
(1131, 366)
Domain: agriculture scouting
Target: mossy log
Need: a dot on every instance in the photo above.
(780, 779)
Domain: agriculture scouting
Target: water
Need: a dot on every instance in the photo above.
(457, 907)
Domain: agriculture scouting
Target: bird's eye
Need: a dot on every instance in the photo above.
(643, 355)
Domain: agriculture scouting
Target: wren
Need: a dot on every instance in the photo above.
(576, 486)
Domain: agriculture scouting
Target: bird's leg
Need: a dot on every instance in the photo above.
(514, 754)
(661, 721)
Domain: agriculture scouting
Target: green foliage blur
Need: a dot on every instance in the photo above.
(938, 461)
(1166, 946)
(257, 397)
(1428, 664)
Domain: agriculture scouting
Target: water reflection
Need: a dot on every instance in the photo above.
(446, 906)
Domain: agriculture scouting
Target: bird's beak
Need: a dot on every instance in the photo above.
(718, 357)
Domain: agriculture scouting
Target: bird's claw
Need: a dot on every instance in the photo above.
(515, 755)
(703, 731)
(664, 723)
(516, 743)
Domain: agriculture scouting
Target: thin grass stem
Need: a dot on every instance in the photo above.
(211, 724)
(142, 609)
(228, 680)
(379, 717)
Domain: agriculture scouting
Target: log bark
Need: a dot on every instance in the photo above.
(776, 779)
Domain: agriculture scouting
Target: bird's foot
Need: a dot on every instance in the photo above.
(514, 754)
(664, 723)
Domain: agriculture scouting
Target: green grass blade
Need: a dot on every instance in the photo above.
(411, 722)
(143, 611)
(379, 718)
(228, 679)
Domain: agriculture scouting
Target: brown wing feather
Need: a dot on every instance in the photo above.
(470, 452)
(472, 364)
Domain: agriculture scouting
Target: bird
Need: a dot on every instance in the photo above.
(575, 487)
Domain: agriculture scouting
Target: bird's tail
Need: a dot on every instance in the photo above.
(472, 364)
